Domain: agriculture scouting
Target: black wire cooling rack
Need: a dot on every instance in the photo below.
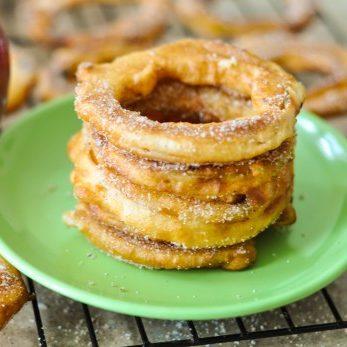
(195, 339)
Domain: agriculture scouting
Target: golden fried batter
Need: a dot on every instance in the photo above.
(195, 15)
(106, 90)
(226, 183)
(58, 77)
(147, 23)
(167, 217)
(22, 78)
(328, 97)
(13, 293)
(162, 255)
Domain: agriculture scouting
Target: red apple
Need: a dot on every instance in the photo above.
(4, 70)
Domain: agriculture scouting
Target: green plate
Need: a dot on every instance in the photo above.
(292, 263)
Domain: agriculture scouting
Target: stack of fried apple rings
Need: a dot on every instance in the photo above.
(185, 155)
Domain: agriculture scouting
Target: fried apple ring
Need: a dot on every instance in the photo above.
(13, 293)
(228, 183)
(326, 98)
(162, 255)
(145, 25)
(189, 223)
(87, 169)
(22, 78)
(106, 93)
(58, 78)
(295, 54)
(195, 15)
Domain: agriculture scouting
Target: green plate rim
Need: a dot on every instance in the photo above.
(162, 311)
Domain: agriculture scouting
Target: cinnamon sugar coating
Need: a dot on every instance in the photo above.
(145, 253)
(13, 293)
(188, 222)
(105, 91)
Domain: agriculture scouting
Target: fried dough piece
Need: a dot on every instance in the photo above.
(328, 97)
(195, 15)
(58, 77)
(295, 54)
(22, 78)
(160, 255)
(13, 293)
(287, 217)
(147, 23)
(106, 92)
(187, 222)
(103, 44)
(227, 183)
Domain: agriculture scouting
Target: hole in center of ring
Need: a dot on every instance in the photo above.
(174, 101)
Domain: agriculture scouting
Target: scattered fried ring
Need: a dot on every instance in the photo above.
(146, 24)
(195, 15)
(327, 98)
(22, 78)
(105, 94)
(296, 54)
(59, 76)
(13, 293)
(144, 252)
(159, 216)
(299, 13)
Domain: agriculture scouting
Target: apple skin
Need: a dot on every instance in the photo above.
(4, 70)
